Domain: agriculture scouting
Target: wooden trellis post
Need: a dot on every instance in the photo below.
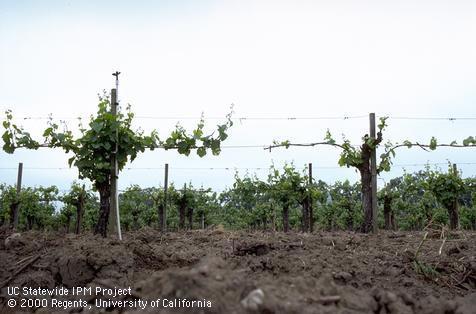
(163, 207)
(16, 206)
(373, 171)
(114, 216)
(311, 213)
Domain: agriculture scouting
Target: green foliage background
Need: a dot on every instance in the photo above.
(417, 199)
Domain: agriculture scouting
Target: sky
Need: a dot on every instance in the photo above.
(271, 59)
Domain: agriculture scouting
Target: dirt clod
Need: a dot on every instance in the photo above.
(14, 240)
(253, 300)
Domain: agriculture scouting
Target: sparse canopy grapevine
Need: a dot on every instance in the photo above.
(93, 149)
(359, 157)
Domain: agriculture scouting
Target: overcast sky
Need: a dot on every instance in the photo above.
(268, 58)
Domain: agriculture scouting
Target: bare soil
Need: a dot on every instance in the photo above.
(242, 272)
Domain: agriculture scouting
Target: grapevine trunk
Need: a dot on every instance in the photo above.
(453, 215)
(79, 213)
(182, 209)
(190, 218)
(366, 180)
(285, 217)
(104, 209)
(161, 213)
